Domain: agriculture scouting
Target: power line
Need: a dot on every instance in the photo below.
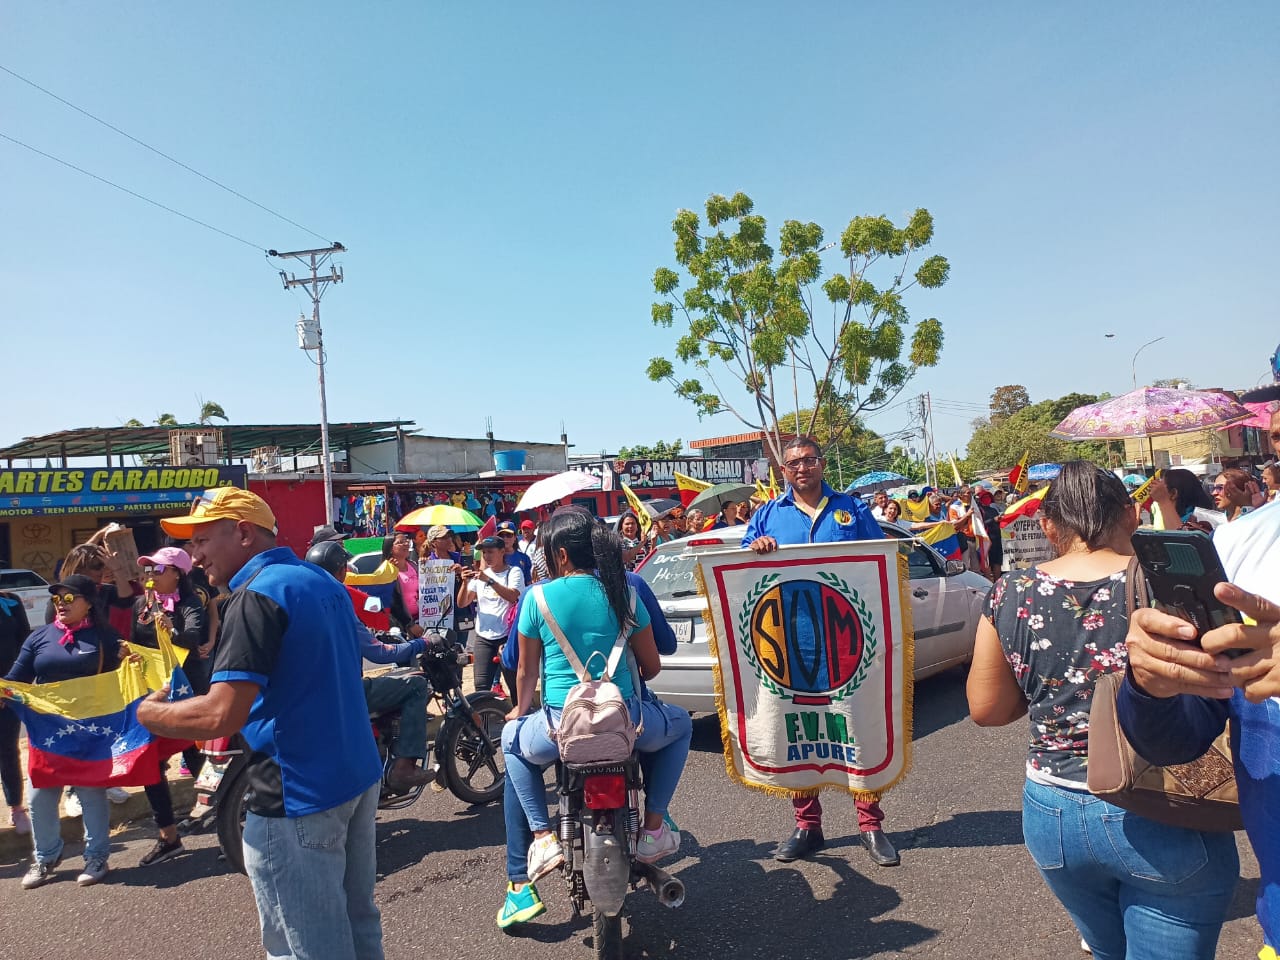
(160, 153)
(132, 193)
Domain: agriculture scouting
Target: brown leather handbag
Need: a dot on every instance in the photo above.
(1200, 795)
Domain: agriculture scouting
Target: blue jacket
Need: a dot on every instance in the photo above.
(843, 517)
(1180, 729)
(664, 637)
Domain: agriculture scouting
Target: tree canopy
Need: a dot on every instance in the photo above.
(1008, 400)
(755, 333)
(1000, 442)
(657, 451)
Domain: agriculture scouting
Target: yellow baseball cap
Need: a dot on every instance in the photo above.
(221, 503)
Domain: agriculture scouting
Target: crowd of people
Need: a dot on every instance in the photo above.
(276, 646)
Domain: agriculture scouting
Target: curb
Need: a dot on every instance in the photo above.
(14, 847)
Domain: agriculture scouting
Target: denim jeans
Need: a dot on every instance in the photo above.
(1136, 889)
(313, 882)
(46, 830)
(528, 750)
(409, 695)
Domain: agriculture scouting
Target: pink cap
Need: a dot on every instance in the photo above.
(168, 557)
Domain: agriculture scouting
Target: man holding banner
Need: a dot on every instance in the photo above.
(810, 511)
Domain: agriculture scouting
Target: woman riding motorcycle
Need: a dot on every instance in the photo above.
(590, 598)
(409, 695)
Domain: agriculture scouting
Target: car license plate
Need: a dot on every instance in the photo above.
(211, 776)
(684, 631)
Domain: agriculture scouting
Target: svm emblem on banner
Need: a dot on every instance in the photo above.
(814, 659)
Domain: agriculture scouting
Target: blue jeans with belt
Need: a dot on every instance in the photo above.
(1136, 889)
(528, 750)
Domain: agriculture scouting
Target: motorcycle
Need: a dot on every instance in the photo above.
(466, 754)
(599, 827)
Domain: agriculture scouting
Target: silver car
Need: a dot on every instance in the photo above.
(946, 602)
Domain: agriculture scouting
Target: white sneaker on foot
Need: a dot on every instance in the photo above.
(652, 847)
(21, 821)
(71, 804)
(117, 794)
(94, 870)
(545, 854)
(39, 874)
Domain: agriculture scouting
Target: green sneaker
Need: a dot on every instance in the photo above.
(521, 906)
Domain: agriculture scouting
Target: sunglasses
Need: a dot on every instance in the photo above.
(158, 568)
(799, 462)
(65, 599)
(1218, 487)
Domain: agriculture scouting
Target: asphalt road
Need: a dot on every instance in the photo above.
(966, 887)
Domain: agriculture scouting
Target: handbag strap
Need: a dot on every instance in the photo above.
(1136, 592)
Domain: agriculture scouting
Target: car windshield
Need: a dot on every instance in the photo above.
(18, 579)
(670, 575)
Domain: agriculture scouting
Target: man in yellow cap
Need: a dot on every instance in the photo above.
(287, 675)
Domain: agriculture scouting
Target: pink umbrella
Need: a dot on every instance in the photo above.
(1151, 411)
(1261, 416)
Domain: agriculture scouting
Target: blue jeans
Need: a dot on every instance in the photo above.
(46, 830)
(313, 882)
(1136, 889)
(528, 750)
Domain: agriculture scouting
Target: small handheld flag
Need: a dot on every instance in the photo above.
(1018, 478)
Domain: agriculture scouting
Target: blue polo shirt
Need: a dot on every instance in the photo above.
(288, 628)
(842, 517)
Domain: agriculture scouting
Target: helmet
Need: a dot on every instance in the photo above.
(330, 556)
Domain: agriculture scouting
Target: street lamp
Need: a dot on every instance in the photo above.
(1134, 365)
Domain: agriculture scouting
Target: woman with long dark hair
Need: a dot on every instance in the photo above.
(1136, 889)
(1177, 494)
(590, 599)
(78, 643)
(169, 598)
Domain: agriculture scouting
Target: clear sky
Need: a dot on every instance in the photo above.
(504, 176)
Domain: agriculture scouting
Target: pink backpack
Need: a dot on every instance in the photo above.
(595, 724)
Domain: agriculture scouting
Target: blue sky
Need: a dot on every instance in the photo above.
(504, 177)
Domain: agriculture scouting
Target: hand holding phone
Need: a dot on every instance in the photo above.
(1181, 569)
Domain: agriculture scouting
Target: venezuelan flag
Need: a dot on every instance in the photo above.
(381, 583)
(1026, 507)
(85, 732)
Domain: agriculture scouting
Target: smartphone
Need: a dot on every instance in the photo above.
(1182, 568)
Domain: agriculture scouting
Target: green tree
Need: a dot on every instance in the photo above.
(750, 325)
(996, 444)
(1008, 400)
(167, 420)
(212, 411)
(658, 451)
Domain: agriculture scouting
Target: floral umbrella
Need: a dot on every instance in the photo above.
(1261, 416)
(1151, 412)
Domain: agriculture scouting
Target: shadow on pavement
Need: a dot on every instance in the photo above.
(405, 842)
(977, 828)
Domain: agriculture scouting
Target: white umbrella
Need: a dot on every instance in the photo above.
(551, 489)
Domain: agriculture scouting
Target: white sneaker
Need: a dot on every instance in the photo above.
(71, 804)
(545, 854)
(21, 821)
(1084, 945)
(94, 870)
(652, 847)
(117, 794)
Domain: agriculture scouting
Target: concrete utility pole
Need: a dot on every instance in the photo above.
(926, 428)
(316, 286)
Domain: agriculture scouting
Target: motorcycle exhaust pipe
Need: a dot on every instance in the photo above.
(668, 889)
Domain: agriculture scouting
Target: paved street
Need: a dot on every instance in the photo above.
(966, 887)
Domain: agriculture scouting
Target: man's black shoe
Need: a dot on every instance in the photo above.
(800, 844)
(881, 850)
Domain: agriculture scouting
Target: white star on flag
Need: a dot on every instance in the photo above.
(49, 742)
(184, 690)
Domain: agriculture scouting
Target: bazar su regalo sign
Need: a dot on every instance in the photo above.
(814, 658)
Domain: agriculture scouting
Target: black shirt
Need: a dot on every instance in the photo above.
(14, 628)
(190, 630)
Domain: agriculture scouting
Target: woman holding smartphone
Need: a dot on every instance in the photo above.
(495, 589)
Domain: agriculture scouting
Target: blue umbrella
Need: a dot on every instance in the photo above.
(875, 480)
(1044, 471)
(1134, 480)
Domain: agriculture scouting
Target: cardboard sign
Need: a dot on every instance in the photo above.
(435, 594)
(1025, 544)
(123, 562)
(814, 664)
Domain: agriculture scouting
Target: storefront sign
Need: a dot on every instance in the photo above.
(60, 492)
(662, 473)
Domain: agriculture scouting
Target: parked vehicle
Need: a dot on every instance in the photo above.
(29, 587)
(946, 602)
(599, 826)
(466, 754)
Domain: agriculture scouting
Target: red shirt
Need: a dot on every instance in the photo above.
(380, 621)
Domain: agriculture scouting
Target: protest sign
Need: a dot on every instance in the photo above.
(435, 594)
(1025, 544)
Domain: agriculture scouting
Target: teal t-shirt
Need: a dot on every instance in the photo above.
(587, 621)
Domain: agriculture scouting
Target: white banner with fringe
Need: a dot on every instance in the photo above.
(814, 659)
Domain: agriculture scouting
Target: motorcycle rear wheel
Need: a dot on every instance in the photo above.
(233, 804)
(472, 759)
(607, 934)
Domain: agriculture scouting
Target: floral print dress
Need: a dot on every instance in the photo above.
(1059, 636)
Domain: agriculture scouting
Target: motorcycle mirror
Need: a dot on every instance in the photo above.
(372, 605)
